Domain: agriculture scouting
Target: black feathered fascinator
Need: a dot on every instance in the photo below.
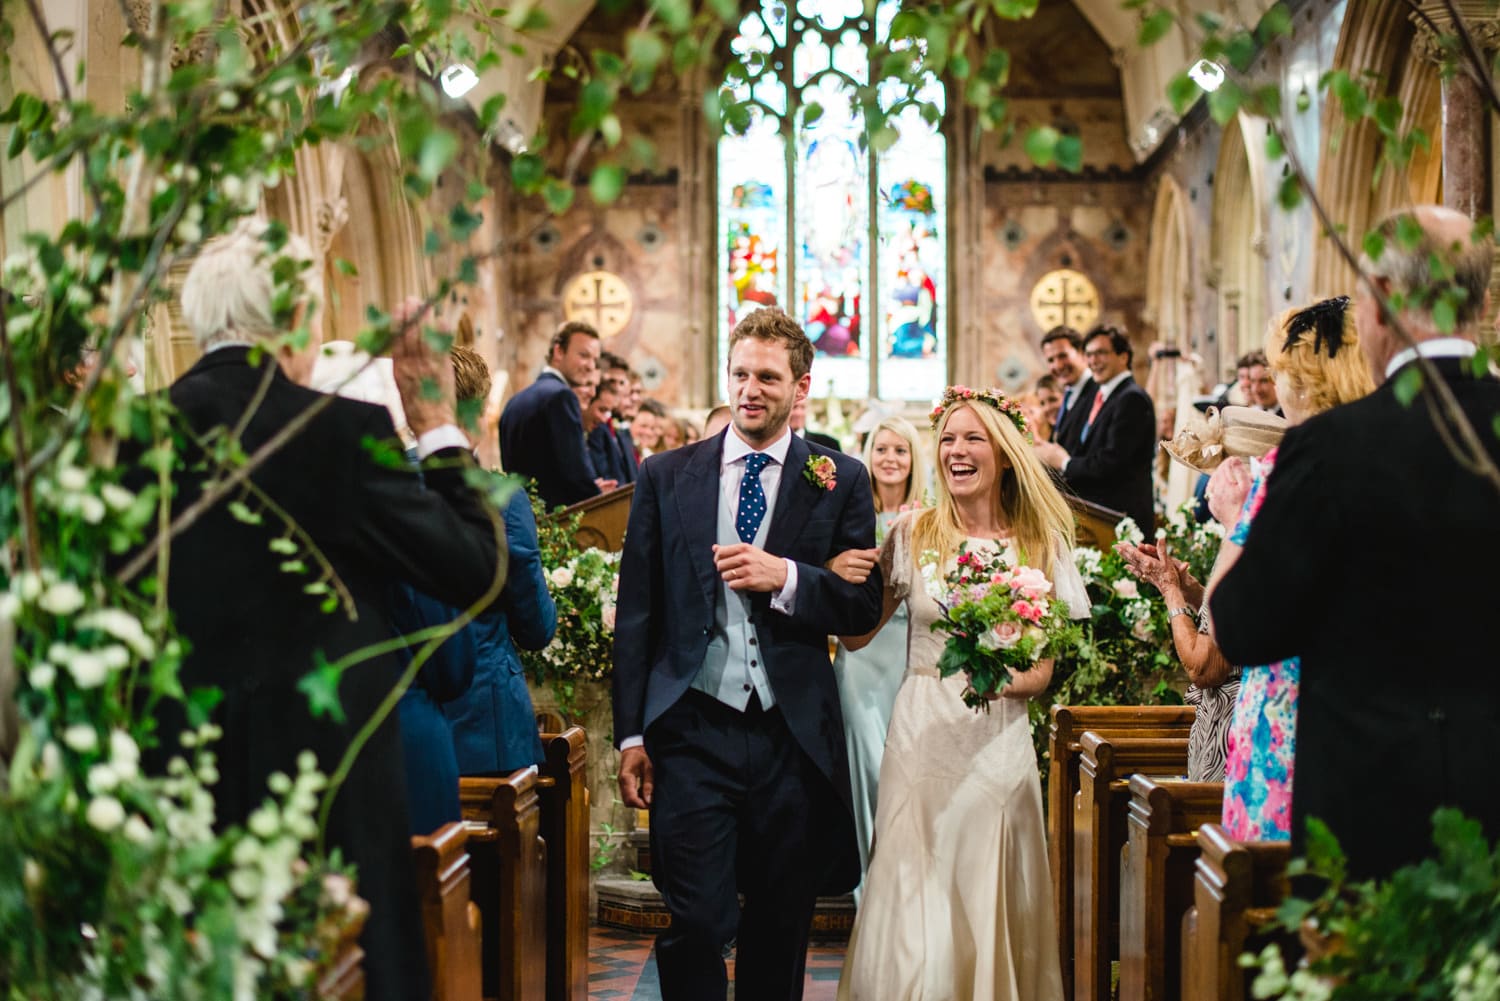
(1326, 321)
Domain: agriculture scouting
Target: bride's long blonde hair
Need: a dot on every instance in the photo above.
(1027, 498)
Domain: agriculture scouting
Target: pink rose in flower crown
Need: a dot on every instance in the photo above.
(1031, 582)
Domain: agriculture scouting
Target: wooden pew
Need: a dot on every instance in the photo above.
(1099, 808)
(1237, 886)
(604, 517)
(1064, 739)
(344, 978)
(564, 792)
(1156, 881)
(508, 860)
(450, 919)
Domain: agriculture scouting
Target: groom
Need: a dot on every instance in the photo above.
(724, 694)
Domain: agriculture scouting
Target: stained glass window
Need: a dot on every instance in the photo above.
(849, 240)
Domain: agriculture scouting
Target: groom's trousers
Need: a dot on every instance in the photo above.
(737, 808)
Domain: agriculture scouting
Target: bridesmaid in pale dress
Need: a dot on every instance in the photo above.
(958, 898)
(868, 678)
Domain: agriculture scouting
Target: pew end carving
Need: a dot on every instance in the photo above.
(508, 861)
(450, 918)
(1237, 886)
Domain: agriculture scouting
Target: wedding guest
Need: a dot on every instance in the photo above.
(1396, 716)
(1062, 350)
(493, 723)
(960, 841)
(650, 418)
(869, 677)
(717, 420)
(671, 433)
(252, 629)
(1114, 434)
(1049, 400)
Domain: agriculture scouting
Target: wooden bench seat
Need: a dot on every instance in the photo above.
(1064, 741)
(1099, 808)
(450, 918)
(508, 865)
(563, 788)
(1237, 886)
(1156, 881)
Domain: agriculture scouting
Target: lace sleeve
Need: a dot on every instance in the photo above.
(1069, 582)
(895, 556)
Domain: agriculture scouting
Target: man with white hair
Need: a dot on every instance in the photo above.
(1398, 714)
(259, 617)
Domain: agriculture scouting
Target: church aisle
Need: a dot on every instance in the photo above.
(621, 967)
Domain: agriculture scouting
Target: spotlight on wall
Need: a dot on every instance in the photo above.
(1206, 74)
(458, 79)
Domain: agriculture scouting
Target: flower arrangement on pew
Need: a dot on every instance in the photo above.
(999, 618)
(585, 584)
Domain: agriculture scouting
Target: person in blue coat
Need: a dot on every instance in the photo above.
(493, 722)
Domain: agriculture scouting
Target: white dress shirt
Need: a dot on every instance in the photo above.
(1438, 347)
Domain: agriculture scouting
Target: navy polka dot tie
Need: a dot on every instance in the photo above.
(752, 497)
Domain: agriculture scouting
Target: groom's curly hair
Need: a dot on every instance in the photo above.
(770, 323)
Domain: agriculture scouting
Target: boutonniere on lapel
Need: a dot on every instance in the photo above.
(820, 472)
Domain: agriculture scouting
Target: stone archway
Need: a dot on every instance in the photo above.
(1169, 290)
(1238, 238)
(1377, 39)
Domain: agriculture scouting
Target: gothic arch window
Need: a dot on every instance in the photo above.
(849, 237)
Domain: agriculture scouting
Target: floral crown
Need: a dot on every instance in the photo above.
(993, 397)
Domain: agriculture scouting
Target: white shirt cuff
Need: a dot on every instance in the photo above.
(785, 600)
(440, 437)
(629, 742)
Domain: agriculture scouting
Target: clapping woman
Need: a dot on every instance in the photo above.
(957, 900)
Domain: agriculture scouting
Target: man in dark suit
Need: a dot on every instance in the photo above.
(361, 525)
(541, 428)
(1396, 715)
(724, 694)
(799, 427)
(1062, 349)
(617, 371)
(607, 450)
(1110, 464)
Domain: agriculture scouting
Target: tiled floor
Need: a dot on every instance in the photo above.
(621, 967)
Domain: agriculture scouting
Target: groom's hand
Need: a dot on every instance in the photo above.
(635, 778)
(745, 568)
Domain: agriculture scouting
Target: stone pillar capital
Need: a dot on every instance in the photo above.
(1478, 16)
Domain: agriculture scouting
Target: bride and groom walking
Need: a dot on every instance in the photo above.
(729, 719)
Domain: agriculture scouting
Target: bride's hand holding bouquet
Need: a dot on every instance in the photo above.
(1000, 617)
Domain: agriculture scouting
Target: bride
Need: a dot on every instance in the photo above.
(958, 899)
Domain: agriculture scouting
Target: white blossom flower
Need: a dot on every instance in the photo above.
(51, 760)
(607, 616)
(42, 676)
(102, 778)
(28, 585)
(116, 496)
(62, 598)
(88, 668)
(137, 830)
(561, 577)
(72, 478)
(32, 874)
(10, 607)
(262, 822)
(1126, 588)
(1128, 531)
(90, 509)
(124, 755)
(81, 737)
(122, 626)
(105, 813)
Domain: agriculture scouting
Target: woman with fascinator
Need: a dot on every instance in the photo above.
(1314, 353)
(957, 900)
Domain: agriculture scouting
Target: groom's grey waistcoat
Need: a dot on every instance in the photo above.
(734, 665)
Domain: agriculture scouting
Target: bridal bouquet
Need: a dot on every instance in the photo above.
(999, 617)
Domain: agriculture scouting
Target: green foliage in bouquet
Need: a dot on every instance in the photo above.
(585, 585)
(1431, 932)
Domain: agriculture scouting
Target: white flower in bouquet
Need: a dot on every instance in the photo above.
(122, 626)
(62, 598)
(1087, 560)
(1126, 588)
(561, 577)
(81, 737)
(41, 676)
(1002, 637)
(607, 616)
(1142, 630)
(88, 668)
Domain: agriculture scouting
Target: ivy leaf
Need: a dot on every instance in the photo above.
(1182, 91)
(321, 686)
(1408, 384)
(606, 183)
(1276, 23)
(241, 512)
(1445, 314)
(1154, 27)
(528, 171)
(557, 195)
(1069, 150)
(1373, 245)
(1224, 103)
(439, 147)
(1041, 145)
(1289, 192)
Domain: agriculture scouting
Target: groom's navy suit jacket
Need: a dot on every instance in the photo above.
(669, 586)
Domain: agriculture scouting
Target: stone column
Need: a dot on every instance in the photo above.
(1466, 106)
